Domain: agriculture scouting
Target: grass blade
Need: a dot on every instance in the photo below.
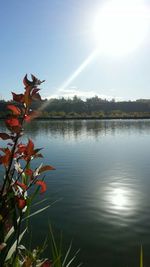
(141, 257)
(67, 254)
(36, 212)
(11, 231)
(73, 258)
(13, 247)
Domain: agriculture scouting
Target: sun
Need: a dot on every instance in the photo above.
(121, 26)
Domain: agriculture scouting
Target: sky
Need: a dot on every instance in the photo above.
(52, 39)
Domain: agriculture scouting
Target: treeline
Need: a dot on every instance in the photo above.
(94, 106)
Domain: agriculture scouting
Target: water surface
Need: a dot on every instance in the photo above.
(102, 180)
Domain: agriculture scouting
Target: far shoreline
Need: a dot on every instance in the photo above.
(90, 118)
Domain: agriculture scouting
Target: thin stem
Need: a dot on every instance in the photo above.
(20, 174)
(18, 234)
(10, 164)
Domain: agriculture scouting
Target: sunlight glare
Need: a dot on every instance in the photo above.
(121, 26)
(119, 198)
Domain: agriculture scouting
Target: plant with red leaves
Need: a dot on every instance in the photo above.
(19, 177)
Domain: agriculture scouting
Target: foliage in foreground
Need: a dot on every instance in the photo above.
(21, 183)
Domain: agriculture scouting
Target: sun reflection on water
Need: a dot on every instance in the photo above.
(119, 198)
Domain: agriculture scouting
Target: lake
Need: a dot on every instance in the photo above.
(101, 186)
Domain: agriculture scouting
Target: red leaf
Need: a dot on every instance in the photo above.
(18, 97)
(5, 136)
(27, 118)
(23, 186)
(36, 96)
(14, 109)
(46, 168)
(42, 184)
(46, 263)
(32, 83)
(34, 91)
(21, 148)
(34, 114)
(36, 81)
(21, 203)
(39, 155)
(27, 97)
(13, 122)
(29, 172)
(16, 129)
(4, 150)
(27, 150)
(30, 148)
(36, 154)
(6, 158)
(27, 82)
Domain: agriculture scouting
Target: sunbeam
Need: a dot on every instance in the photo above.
(74, 75)
(119, 29)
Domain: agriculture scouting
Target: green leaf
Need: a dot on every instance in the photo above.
(141, 257)
(17, 262)
(13, 247)
(11, 231)
(35, 193)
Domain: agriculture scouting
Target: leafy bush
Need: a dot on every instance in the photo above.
(16, 195)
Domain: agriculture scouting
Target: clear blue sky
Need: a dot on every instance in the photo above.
(51, 39)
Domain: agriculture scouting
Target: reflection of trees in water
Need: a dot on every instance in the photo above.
(79, 128)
